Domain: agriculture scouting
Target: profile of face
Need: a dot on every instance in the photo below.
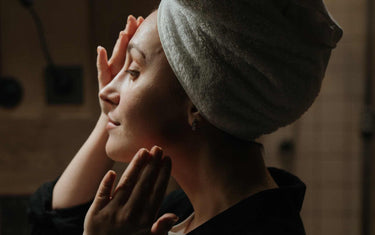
(145, 98)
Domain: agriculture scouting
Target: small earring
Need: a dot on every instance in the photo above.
(194, 125)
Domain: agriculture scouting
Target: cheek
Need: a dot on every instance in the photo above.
(149, 115)
(148, 118)
(125, 140)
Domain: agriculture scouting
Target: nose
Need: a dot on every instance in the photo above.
(109, 94)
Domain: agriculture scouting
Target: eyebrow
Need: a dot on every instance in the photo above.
(131, 46)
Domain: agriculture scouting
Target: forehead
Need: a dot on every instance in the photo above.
(147, 37)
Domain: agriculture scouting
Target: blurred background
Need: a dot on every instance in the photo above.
(47, 113)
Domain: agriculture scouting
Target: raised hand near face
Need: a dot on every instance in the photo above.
(108, 69)
(132, 208)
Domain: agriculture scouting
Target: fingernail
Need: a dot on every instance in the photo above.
(144, 154)
(130, 16)
(111, 177)
(113, 174)
(158, 152)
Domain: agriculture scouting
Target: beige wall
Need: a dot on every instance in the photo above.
(37, 141)
(328, 143)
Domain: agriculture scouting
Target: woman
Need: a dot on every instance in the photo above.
(191, 80)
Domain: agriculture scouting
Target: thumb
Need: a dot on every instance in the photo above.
(164, 224)
(103, 195)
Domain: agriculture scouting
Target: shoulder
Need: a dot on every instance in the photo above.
(177, 203)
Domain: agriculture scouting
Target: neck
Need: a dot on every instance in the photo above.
(218, 174)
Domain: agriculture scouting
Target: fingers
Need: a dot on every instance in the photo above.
(104, 74)
(129, 178)
(132, 25)
(139, 21)
(119, 51)
(150, 189)
(164, 224)
(109, 69)
(103, 195)
(161, 184)
(144, 188)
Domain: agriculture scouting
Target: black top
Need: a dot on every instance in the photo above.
(272, 211)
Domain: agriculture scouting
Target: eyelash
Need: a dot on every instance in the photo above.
(133, 73)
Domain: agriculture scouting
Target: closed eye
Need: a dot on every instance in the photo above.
(133, 73)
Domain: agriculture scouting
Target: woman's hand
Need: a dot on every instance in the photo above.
(107, 70)
(134, 205)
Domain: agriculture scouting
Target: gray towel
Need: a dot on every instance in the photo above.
(249, 66)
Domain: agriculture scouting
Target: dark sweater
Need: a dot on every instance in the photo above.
(273, 211)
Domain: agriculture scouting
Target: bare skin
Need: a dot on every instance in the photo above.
(80, 180)
(215, 169)
(132, 208)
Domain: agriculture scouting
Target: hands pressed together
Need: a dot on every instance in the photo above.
(132, 208)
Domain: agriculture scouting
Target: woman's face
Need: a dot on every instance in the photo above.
(146, 98)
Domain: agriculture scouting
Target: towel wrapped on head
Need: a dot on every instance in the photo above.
(249, 66)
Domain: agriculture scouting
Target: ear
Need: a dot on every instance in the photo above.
(193, 113)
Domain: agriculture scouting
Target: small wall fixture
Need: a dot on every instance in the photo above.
(11, 92)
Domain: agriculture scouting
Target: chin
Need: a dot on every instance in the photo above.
(119, 152)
